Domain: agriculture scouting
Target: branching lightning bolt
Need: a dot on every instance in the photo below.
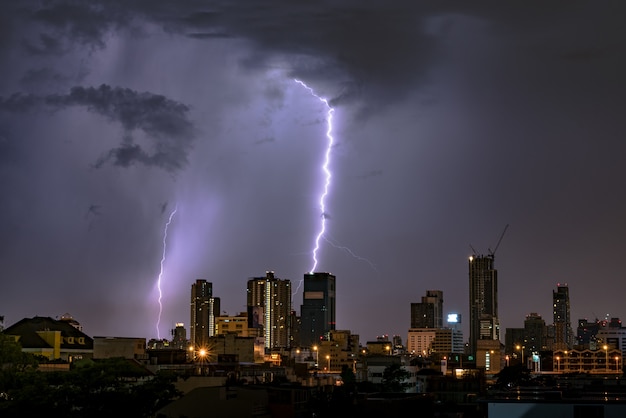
(352, 253)
(327, 174)
(169, 221)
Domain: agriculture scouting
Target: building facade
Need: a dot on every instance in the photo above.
(434, 341)
(429, 312)
(204, 309)
(317, 312)
(269, 308)
(51, 338)
(483, 300)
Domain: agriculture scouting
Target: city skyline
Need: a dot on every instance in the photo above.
(450, 121)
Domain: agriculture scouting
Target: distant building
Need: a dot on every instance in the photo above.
(51, 338)
(429, 312)
(489, 355)
(230, 346)
(483, 300)
(437, 341)
(382, 346)
(586, 332)
(179, 337)
(238, 325)
(339, 350)
(612, 335)
(563, 333)
(420, 340)
(204, 309)
(601, 361)
(318, 308)
(376, 365)
(535, 333)
(112, 347)
(532, 339)
(269, 308)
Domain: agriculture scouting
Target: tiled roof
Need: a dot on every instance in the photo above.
(27, 329)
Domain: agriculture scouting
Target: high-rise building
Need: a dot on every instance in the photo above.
(529, 340)
(429, 312)
(204, 309)
(179, 337)
(483, 300)
(318, 308)
(563, 333)
(269, 308)
(536, 333)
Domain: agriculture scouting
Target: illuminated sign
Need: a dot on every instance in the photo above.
(454, 318)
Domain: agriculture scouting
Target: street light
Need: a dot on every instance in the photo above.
(316, 355)
(521, 349)
(606, 357)
(558, 368)
(328, 358)
(616, 364)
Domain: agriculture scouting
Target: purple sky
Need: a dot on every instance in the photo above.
(451, 121)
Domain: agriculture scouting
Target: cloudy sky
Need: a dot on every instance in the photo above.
(450, 122)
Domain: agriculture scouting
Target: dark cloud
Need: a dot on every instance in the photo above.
(163, 120)
(18, 102)
(453, 119)
(82, 22)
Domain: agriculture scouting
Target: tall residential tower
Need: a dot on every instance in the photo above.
(563, 333)
(204, 309)
(269, 308)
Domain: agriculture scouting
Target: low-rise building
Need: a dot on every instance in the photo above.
(51, 338)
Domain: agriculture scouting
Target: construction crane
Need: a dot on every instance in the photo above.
(493, 253)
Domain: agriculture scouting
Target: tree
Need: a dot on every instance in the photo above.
(511, 376)
(347, 376)
(94, 389)
(394, 377)
(12, 356)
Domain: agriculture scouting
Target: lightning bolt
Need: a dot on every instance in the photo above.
(169, 221)
(352, 253)
(325, 170)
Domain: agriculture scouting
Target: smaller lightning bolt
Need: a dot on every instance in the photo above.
(352, 253)
(169, 221)
(326, 170)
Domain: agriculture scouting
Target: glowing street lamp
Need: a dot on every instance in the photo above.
(558, 368)
(328, 358)
(521, 349)
(606, 357)
(616, 364)
(316, 355)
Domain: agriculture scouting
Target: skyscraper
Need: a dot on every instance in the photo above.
(483, 300)
(563, 333)
(429, 312)
(269, 308)
(204, 309)
(318, 308)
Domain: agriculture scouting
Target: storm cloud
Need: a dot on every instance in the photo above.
(164, 121)
(452, 120)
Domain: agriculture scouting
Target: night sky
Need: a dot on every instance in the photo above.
(451, 121)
